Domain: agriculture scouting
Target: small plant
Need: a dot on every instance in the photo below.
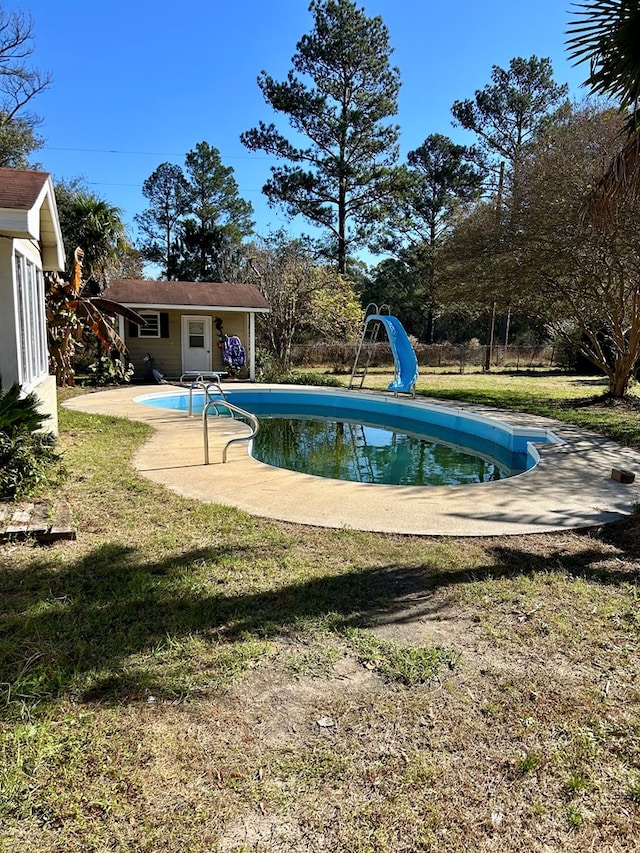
(106, 370)
(530, 761)
(267, 369)
(26, 455)
(409, 665)
(318, 662)
(633, 791)
(294, 377)
(577, 783)
(574, 817)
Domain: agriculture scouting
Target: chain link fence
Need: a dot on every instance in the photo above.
(340, 356)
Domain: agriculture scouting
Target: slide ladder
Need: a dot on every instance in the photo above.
(366, 346)
(404, 357)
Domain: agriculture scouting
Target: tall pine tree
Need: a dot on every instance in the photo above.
(339, 96)
(212, 235)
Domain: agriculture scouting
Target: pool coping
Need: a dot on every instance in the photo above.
(570, 488)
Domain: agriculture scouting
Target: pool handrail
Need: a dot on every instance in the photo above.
(253, 420)
(216, 384)
(200, 383)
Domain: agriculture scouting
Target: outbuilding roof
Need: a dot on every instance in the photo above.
(206, 295)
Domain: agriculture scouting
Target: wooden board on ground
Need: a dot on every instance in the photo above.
(34, 520)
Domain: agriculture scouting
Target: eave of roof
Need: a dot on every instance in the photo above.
(187, 295)
(28, 211)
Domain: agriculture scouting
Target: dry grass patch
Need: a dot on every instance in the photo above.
(189, 678)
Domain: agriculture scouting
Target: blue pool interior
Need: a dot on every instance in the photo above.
(512, 448)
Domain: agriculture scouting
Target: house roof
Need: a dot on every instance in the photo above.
(28, 211)
(206, 295)
(20, 189)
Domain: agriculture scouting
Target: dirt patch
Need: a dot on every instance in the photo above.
(285, 710)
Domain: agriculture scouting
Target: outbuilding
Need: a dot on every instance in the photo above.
(186, 322)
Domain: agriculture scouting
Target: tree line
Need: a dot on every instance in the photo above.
(529, 228)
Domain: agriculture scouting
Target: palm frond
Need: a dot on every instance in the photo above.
(606, 33)
(621, 181)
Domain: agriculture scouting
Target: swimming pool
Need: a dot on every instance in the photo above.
(504, 447)
(569, 489)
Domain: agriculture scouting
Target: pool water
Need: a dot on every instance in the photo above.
(345, 450)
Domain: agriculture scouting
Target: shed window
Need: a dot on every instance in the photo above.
(152, 329)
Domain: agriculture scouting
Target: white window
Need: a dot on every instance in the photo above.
(33, 355)
(152, 329)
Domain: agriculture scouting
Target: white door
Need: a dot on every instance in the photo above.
(196, 343)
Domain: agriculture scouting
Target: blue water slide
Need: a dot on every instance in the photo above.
(404, 355)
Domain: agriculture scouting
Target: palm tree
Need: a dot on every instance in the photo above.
(72, 315)
(97, 227)
(607, 34)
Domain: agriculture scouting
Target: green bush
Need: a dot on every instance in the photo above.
(295, 377)
(269, 370)
(27, 457)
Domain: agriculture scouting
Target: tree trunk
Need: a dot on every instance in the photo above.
(619, 385)
(342, 226)
(430, 326)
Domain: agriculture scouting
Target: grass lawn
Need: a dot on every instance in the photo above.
(185, 677)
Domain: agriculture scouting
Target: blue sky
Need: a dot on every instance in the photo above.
(138, 83)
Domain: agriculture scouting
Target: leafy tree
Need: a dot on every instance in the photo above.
(18, 141)
(19, 84)
(302, 296)
(583, 277)
(440, 178)
(506, 115)
(475, 261)
(606, 33)
(335, 312)
(338, 97)
(168, 194)
(129, 263)
(219, 218)
(394, 282)
(97, 228)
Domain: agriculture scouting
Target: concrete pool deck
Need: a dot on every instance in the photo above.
(570, 488)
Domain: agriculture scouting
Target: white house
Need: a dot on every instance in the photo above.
(30, 244)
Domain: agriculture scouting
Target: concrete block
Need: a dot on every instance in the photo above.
(622, 475)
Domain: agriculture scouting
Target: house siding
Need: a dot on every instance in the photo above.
(41, 384)
(46, 393)
(9, 344)
(167, 352)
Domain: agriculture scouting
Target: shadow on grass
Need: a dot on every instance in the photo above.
(73, 632)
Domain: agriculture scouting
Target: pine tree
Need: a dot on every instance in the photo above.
(339, 95)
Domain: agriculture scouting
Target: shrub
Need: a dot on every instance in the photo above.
(294, 377)
(27, 457)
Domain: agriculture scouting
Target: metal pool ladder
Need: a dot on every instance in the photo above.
(213, 404)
